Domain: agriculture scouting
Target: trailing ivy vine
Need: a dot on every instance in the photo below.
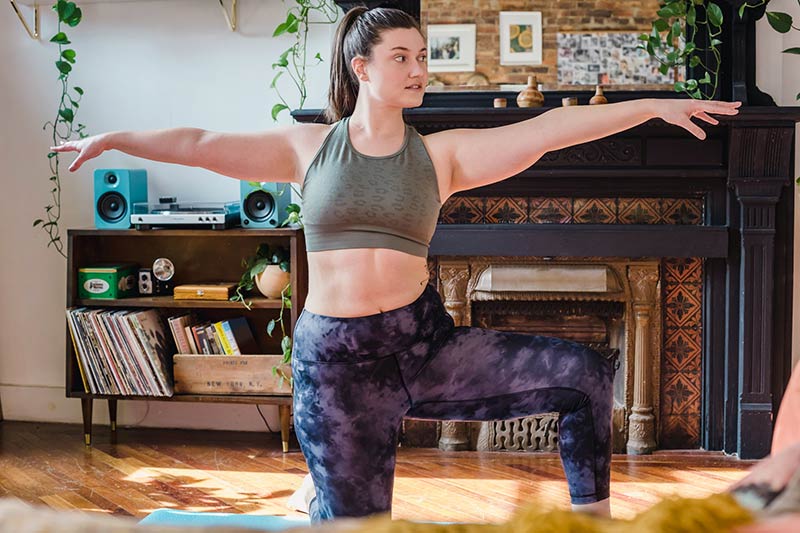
(293, 60)
(64, 125)
(671, 42)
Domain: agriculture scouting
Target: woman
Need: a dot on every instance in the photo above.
(374, 342)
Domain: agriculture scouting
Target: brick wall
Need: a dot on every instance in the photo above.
(557, 16)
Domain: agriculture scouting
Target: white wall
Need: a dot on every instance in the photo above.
(143, 65)
(779, 75)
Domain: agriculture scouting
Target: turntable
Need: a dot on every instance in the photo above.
(169, 213)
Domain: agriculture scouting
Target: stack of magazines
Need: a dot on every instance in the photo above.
(122, 352)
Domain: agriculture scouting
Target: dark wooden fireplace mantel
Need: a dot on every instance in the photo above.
(744, 173)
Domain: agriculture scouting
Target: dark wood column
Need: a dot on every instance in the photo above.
(759, 170)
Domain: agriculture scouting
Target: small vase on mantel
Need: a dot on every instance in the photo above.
(599, 97)
(530, 96)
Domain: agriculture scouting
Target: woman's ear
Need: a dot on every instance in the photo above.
(359, 65)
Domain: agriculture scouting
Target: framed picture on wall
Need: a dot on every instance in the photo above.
(451, 47)
(520, 38)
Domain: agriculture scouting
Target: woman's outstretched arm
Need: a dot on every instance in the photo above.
(264, 156)
(480, 157)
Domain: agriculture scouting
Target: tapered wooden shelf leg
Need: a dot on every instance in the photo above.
(112, 417)
(86, 405)
(285, 412)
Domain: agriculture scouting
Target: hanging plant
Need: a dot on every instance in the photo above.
(671, 42)
(64, 125)
(293, 61)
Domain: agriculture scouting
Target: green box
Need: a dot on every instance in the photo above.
(108, 281)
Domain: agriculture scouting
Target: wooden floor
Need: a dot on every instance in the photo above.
(150, 469)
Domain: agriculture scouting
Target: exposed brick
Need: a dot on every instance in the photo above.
(557, 16)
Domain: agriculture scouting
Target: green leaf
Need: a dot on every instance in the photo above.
(63, 67)
(694, 61)
(51, 155)
(797, 97)
(68, 11)
(780, 22)
(318, 57)
(714, 14)
(69, 55)
(661, 25)
(715, 42)
(697, 95)
(37, 222)
(676, 29)
(690, 47)
(280, 29)
(67, 114)
(741, 10)
(679, 86)
(277, 108)
(59, 8)
(60, 38)
(691, 84)
(282, 61)
(670, 10)
(289, 25)
(663, 69)
(793, 50)
(275, 79)
(706, 79)
(78, 90)
(691, 16)
(75, 19)
(270, 327)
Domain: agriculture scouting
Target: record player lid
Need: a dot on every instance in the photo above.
(144, 208)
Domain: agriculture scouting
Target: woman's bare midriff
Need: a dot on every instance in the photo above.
(363, 281)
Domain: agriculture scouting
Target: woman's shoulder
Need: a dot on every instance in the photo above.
(306, 136)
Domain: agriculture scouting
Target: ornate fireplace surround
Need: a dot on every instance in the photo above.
(624, 292)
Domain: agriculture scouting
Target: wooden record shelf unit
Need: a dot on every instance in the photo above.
(199, 256)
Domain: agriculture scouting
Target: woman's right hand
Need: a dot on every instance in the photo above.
(87, 148)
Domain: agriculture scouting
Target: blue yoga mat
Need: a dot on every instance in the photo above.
(169, 517)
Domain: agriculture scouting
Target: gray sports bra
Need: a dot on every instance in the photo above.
(354, 200)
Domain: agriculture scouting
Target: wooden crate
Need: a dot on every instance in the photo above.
(229, 374)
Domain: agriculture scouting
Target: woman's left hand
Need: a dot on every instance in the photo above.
(680, 112)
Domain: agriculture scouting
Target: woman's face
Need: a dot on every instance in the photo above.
(397, 72)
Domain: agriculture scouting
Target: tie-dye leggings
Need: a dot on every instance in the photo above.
(355, 378)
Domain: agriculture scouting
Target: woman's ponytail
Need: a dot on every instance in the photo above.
(356, 34)
(343, 89)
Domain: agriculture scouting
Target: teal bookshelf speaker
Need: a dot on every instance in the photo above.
(263, 204)
(115, 192)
